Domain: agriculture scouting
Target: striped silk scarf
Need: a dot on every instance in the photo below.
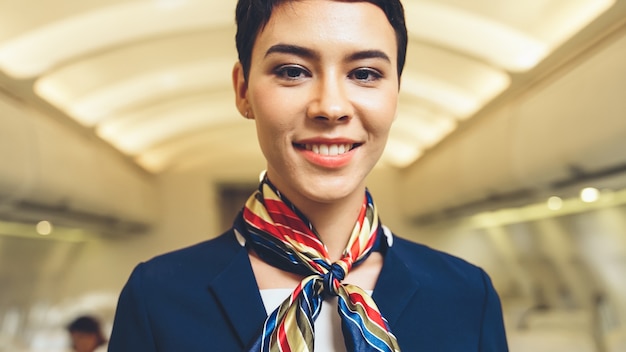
(282, 237)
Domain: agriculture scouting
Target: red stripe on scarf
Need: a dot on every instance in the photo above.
(372, 313)
(285, 225)
(283, 214)
(282, 339)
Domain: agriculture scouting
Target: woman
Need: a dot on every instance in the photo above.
(307, 265)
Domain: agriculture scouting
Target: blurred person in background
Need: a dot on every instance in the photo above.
(86, 335)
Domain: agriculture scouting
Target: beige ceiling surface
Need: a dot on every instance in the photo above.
(152, 78)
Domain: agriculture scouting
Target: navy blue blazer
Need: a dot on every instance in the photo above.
(205, 298)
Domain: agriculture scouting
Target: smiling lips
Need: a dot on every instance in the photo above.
(328, 155)
(329, 149)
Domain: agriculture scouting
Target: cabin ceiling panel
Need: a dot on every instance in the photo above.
(147, 75)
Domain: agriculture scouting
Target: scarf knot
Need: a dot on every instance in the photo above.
(332, 280)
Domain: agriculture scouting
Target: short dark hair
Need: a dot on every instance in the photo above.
(87, 324)
(252, 15)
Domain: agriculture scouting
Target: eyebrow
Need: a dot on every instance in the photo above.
(308, 53)
(291, 49)
(368, 54)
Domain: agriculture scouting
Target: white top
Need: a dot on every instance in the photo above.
(328, 335)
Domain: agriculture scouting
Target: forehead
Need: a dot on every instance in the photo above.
(342, 23)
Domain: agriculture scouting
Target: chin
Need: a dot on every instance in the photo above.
(328, 197)
(328, 192)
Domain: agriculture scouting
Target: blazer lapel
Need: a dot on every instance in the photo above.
(394, 288)
(236, 290)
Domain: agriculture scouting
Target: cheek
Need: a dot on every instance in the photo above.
(380, 112)
(276, 112)
(266, 113)
(272, 130)
(270, 100)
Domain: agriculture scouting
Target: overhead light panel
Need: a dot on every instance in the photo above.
(459, 84)
(94, 107)
(475, 35)
(45, 47)
(399, 153)
(447, 97)
(422, 128)
(517, 47)
(136, 132)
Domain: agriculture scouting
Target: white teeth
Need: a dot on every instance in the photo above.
(331, 150)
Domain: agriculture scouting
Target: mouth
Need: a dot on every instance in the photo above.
(328, 149)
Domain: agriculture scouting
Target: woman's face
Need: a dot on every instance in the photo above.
(323, 90)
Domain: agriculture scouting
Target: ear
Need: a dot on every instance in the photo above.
(241, 91)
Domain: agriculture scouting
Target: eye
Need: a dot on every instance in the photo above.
(366, 75)
(291, 72)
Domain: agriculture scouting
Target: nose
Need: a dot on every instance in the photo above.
(330, 101)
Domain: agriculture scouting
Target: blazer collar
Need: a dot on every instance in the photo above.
(395, 287)
(236, 290)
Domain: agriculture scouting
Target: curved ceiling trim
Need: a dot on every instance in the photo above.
(514, 47)
(475, 35)
(205, 144)
(97, 106)
(34, 52)
(426, 131)
(137, 132)
(458, 102)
